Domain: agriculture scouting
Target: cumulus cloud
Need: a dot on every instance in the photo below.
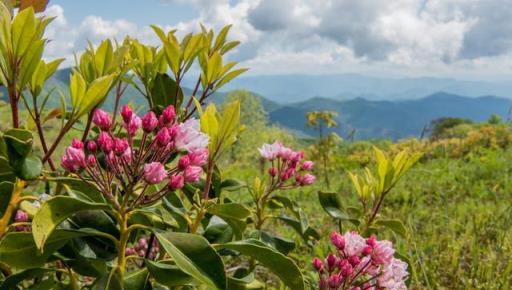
(310, 36)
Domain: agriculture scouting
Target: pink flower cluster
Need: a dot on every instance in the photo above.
(141, 246)
(287, 165)
(360, 264)
(128, 160)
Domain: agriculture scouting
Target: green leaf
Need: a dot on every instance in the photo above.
(23, 29)
(234, 214)
(56, 210)
(218, 231)
(393, 224)
(13, 280)
(30, 168)
(87, 266)
(91, 192)
(332, 205)
(6, 173)
(284, 267)
(173, 204)
(168, 275)
(137, 280)
(6, 189)
(231, 184)
(19, 250)
(19, 141)
(194, 256)
(163, 92)
(281, 244)
(95, 94)
(230, 76)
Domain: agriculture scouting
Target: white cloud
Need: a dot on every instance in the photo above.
(464, 37)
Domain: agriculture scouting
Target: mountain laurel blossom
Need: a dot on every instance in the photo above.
(115, 158)
(359, 264)
(287, 165)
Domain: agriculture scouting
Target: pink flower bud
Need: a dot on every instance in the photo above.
(318, 265)
(354, 260)
(133, 125)
(101, 119)
(149, 122)
(76, 143)
(120, 145)
(338, 241)
(162, 137)
(287, 174)
(127, 155)
(126, 113)
(73, 159)
(367, 250)
(347, 270)
(307, 165)
(91, 146)
(371, 241)
(91, 160)
(154, 172)
(174, 130)
(143, 242)
(272, 171)
(184, 162)
(198, 157)
(192, 173)
(334, 281)
(21, 216)
(167, 116)
(129, 251)
(331, 262)
(105, 142)
(176, 182)
(308, 179)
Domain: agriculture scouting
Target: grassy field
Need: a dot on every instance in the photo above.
(456, 203)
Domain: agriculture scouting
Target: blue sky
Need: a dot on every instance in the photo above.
(141, 12)
(466, 39)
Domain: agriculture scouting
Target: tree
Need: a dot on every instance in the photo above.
(441, 125)
(320, 121)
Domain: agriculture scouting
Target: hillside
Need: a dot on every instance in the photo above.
(388, 119)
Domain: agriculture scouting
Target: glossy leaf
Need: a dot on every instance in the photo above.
(194, 256)
(332, 205)
(19, 141)
(137, 280)
(30, 167)
(234, 214)
(168, 275)
(19, 250)
(393, 224)
(163, 92)
(13, 280)
(56, 210)
(284, 267)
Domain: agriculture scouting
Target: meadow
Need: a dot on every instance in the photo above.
(179, 190)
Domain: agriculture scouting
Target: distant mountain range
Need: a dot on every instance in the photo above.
(297, 88)
(390, 119)
(372, 107)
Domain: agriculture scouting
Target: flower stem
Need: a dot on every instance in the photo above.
(123, 241)
(11, 207)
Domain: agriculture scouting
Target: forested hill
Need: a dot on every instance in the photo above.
(391, 119)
